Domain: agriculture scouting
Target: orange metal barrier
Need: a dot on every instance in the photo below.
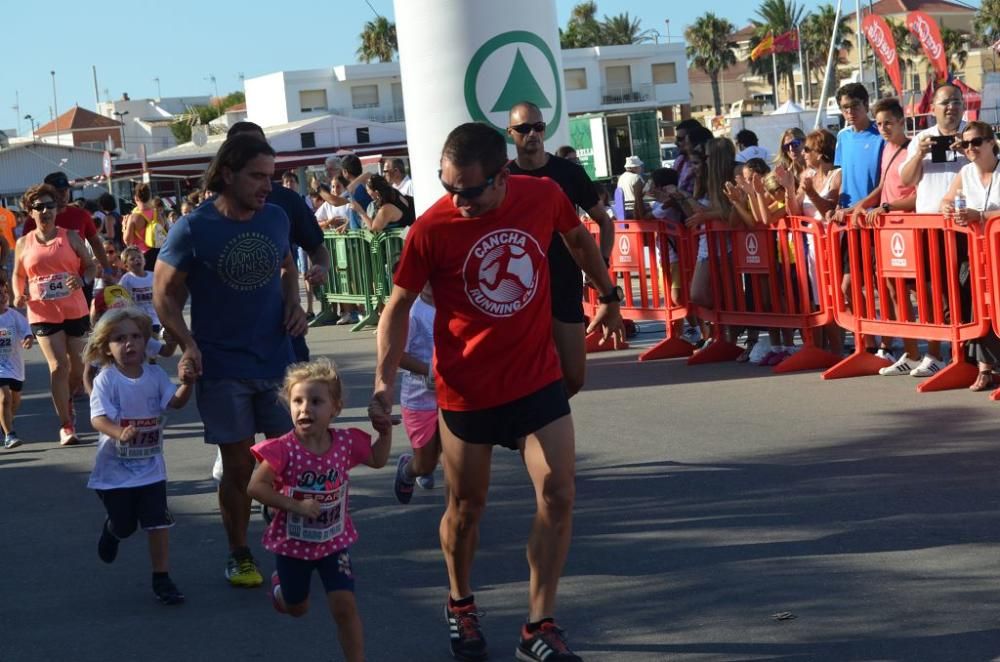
(641, 265)
(910, 253)
(763, 278)
(992, 249)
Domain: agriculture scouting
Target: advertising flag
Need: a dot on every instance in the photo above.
(880, 37)
(927, 32)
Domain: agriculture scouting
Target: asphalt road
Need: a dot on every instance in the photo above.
(710, 499)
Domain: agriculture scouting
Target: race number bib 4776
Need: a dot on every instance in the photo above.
(53, 286)
(147, 442)
(142, 295)
(330, 522)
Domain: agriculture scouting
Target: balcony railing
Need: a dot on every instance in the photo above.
(374, 114)
(626, 94)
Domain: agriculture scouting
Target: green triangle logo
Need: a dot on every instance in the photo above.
(521, 86)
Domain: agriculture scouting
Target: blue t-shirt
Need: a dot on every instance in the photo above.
(234, 276)
(361, 195)
(857, 156)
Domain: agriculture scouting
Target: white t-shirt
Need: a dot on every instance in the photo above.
(414, 393)
(975, 193)
(140, 402)
(937, 177)
(328, 212)
(14, 329)
(627, 182)
(753, 152)
(405, 187)
(140, 288)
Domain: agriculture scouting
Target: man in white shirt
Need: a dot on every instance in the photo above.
(932, 171)
(933, 177)
(746, 141)
(630, 182)
(395, 171)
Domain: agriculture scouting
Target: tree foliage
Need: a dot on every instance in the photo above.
(198, 115)
(816, 30)
(584, 30)
(711, 50)
(378, 41)
(776, 17)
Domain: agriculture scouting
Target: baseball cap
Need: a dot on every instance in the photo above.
(57, 179)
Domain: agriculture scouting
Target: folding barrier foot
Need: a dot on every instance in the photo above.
(958, 374)
(807, 358)
(718, 351)
(671, 348)
(858, 364)
(593, 343)
(995, 395)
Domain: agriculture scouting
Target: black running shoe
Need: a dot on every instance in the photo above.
(167, 592)
(546, 644)
(467, 641)
(107, 544)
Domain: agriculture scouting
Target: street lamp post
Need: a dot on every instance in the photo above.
(55, 106)
(32, 120)
(157, 81)
(120, 115)
(667, 21)
(215, 84)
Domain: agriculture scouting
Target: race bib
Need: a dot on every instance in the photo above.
(53, 286)
(142, 295)
(6, 342)
(147, 442)
(330, 522)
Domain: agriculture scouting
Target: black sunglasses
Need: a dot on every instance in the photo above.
(472, 192)
(525, 129)
(792, 145)
(975, 142)
(42, 206)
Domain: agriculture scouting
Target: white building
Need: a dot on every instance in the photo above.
(600, 79)
(147, 121)
(26, 164)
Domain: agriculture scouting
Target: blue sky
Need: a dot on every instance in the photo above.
(184, 42)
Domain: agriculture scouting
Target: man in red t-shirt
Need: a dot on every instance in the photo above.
(73, 218)
(482, 247)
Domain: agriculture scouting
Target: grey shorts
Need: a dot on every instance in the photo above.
(236, 409)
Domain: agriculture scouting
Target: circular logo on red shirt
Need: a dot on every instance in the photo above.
(501, 272)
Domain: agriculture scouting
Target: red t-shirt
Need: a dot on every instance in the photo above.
(490, 276)
(71, 218)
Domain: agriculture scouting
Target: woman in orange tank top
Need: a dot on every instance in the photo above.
(48, 264)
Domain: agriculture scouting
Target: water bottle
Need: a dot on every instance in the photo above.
(959, 205)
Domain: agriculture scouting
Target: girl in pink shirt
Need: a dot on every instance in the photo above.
(303, 477)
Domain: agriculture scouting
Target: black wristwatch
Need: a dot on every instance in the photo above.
(886, 207)
(614, 296)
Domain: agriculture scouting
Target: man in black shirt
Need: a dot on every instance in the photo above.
(527, 130)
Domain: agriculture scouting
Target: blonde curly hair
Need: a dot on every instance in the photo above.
(98, 349)
(318, 370)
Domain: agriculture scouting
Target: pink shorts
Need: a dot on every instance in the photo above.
(421, 425)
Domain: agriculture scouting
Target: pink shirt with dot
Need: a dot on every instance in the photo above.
(295, 466)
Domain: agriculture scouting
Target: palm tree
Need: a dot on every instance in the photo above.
(711, 50)
(621, 30)
(986, 25)
(816, 31)
(378, 41)
(583, 29)
(956, 45)
(906, 51)
(776, 17)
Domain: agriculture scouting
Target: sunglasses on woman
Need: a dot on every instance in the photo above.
(795, 144)
(974, 142)
(42, 206)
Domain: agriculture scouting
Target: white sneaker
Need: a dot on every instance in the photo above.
(904, 366)
(692, 334)
(217, 467)
(761, 349)
(345, 319)
(884, 354)
(928, 366)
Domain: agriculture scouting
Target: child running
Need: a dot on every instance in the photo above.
(129, 474)
(418, 402)
(303, 476)
(139, 283)
(15, 335)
